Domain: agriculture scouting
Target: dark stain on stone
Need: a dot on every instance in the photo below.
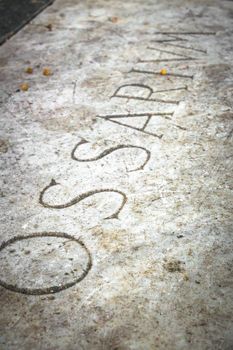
(226, 116)
(173, 265)
(82, 118)
(3, 146)
(217, 72)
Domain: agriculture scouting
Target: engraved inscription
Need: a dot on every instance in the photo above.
(185, 33)
(39, 271)
(141, 88)
(114, 118)
(186, 47)
(171, 39)
(185, 76)
(81, 197)
(109, 151)
(181, 57)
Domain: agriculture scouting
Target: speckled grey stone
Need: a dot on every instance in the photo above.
(135, 166)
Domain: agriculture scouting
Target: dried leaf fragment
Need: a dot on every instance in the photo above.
(49, 27)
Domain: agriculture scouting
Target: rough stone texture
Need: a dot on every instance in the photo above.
(160, 275)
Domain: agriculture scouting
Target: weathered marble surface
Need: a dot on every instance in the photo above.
(160, 275)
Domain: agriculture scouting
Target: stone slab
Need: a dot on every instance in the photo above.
(116, 170)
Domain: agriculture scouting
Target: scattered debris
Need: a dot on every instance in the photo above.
(163, 71)
(190, 252)
(24, 87)
(3, 146)
(49, 27)
(27, 252)
(47, 72)
(114, 19)
(185, 276)
(173, 265)
(29, 70)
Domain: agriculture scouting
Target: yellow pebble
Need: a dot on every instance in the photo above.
(163, 71)
(29, 70)
(47, 71)
(24, 87)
